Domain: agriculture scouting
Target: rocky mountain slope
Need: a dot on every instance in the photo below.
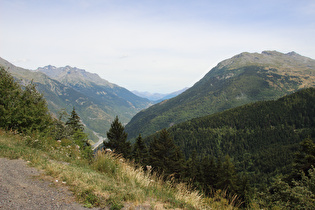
(242, 79)
(119, 99)
(97, 101)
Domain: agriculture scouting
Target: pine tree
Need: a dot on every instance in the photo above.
(22, 109)
(140, 152)
(10, 93)
(227, 176)
(178, 166)
(304, 159)
(74, 122)
(209, 174)
(156, 151)
(75, 130)
(164, 155)
(60, 130)
(192, 171)
(34, 113)
(117, 139)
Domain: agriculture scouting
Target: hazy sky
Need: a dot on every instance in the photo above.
(151, 45)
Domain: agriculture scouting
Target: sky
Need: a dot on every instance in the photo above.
(151, 45)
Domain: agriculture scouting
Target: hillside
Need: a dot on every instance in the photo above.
(96, 100)
(98, 88)
(104, 179)
(105, 183)
(242, 79)
(260, 137)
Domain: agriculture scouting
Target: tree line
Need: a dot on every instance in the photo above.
(260, 137)
(240, 150)
(23, 109)
(208, 174)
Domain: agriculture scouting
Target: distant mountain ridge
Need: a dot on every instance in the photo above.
(242, 79)
(70, 74)
(158, 97)
(97, 101)
(94, 86)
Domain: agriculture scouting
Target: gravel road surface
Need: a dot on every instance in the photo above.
(21, 189)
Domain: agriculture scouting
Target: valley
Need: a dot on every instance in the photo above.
(96, 100)
(242, 79)
(248, 122)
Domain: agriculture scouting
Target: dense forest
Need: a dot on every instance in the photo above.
(261, 137)
(256, 142)
(262, 154)
(257, 151)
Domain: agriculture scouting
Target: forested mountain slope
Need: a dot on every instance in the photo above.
(96, 100)
(244, 78)
(261, 137)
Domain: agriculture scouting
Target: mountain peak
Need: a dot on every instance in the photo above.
(244, 78)
(293, 54)
(73, 75)
(74, 69)
(48, 67)
(266, 58)
(271, 53)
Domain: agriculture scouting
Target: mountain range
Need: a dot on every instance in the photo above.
(96, 100)
(158, 97)
(242, 79)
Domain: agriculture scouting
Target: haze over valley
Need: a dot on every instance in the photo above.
(162, 104)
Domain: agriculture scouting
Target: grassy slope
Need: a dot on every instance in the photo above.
(106, 182)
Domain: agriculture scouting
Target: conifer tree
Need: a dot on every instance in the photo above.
(304, 159)
(164, 154)
(74, 122)
(9, 100)
(117, 139)
(21, 109)
(192, 171)
(227, 176)
(209, 173)
(178, 165)
(74, 129)
(34, 113)
(140, 151)
(60, 130)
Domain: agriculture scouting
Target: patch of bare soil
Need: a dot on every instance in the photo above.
(21, 188)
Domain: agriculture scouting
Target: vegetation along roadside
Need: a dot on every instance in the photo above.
(121, 178)
(61, 149)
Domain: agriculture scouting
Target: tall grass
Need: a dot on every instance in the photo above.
(142, 184)
(109, 180)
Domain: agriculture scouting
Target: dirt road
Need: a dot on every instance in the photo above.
(21, 189)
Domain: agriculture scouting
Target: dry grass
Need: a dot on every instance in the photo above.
(109, 181)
